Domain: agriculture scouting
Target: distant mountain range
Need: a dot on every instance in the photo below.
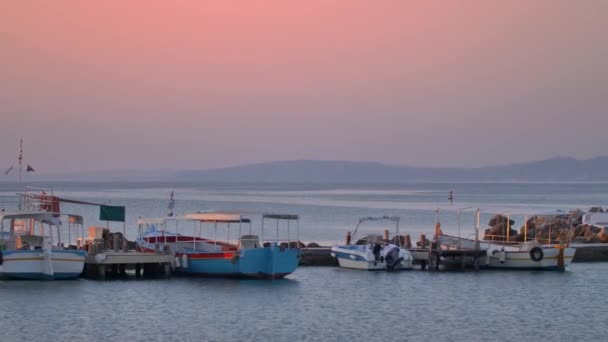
(557, 169)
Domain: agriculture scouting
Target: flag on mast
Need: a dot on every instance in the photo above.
(29, 168)
(171, 205)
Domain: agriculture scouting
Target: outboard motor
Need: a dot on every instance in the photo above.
(392, 258)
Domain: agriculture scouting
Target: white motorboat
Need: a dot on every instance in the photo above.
(375, 253)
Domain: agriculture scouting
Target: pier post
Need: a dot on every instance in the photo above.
(386, 235)
(101, 272)
(115, 242)
(347, 239)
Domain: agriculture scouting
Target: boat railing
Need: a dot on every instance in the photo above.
(503, 239)
(37, 198)
(289, 241)
(9, 202)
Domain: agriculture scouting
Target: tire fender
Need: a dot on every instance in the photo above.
(536, 254)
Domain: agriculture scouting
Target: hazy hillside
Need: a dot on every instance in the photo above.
(558, 169)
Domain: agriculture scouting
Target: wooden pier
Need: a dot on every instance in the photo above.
(449, 258)
(590, 252)
(317, 256)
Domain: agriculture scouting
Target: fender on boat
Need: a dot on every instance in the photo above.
(536, 253)
(184, 260)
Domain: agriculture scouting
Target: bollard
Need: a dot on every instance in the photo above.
(347, 240)
(101, 272)
(423, 240)
(408, 242)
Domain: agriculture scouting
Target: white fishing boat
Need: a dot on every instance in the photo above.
(28, 249)
(375, 254)
(532, 254)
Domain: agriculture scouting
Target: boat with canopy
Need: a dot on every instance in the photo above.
(502, 252)
(31, 241)
(240, 254)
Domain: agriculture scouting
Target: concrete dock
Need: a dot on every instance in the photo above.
(115, 263)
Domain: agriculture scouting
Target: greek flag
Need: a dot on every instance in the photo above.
(171, 204)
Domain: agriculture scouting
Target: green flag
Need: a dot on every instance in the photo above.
(111, 213)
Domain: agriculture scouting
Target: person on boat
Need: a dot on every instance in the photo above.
(438, 230)
(376, 251)
(423, 243)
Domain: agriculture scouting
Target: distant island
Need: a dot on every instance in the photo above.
(556, 169)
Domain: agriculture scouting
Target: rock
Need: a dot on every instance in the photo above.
(499, 219)
(296, 244)
(602, 235)
(498, 230)
(519, 238)
(596, 210)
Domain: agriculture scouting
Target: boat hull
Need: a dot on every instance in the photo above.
(259, 263)
(33, 264)
(513, 257)
(522, 260)
(361, 258)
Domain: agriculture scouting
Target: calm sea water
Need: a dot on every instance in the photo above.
(320, 303)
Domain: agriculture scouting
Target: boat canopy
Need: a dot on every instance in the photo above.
(394, 219)
(544, 213)
(281, 216)
(162, 220)
(379, 218)
(36, 215)
(217, 217)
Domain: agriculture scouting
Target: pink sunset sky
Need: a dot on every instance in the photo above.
(95, 85)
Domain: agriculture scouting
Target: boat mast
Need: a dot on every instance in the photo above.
(20, 158)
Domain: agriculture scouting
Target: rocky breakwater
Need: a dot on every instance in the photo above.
(557, 228)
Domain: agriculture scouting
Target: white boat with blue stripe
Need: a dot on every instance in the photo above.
(28, 251)
(374, 253)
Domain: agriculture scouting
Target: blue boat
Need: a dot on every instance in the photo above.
(247, 257)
